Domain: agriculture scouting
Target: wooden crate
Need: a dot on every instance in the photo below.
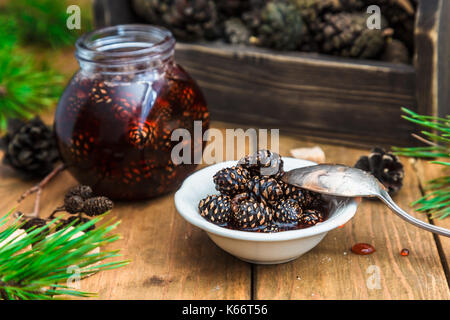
(349, 101)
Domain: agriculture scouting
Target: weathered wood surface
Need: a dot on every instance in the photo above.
(174, 260)
(432, 57)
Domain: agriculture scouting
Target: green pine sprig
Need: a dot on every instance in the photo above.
(43, 22)
(25, 88)
(42, 272)
(436, 201)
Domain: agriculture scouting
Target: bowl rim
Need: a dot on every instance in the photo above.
(192, 216)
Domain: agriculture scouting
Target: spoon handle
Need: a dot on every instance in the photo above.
(386, 198)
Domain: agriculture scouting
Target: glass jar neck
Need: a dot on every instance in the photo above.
(125, 49)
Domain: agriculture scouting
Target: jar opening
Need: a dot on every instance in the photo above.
(125, 45)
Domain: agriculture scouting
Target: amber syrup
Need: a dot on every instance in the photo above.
(116, 135)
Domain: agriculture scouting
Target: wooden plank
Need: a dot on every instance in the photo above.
(425, 172)
(432, 58)
(332, 271)
(304, 93)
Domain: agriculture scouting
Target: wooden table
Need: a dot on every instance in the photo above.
(172, 259)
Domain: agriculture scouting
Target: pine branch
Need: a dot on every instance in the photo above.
(43, 22)
(25, 89)
(42, 272)
(437, 199)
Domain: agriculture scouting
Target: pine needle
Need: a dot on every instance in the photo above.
(43, 272)
(436, 200)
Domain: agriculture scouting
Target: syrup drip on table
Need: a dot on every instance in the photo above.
(363, 248)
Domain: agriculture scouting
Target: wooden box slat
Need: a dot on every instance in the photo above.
(307, 94)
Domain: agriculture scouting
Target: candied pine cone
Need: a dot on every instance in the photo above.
(263, 163)
(97, 205)
(215, 208)
(311, 217)
(247, 213)
(288, 211)
(269, 228)
(232, 180)
(30, 147)
(304, 197)
(385, 166)
(142, 134)
(266, 190)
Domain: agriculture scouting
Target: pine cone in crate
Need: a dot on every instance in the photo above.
(215, 208)
(385, 166)
(400, 16)
(188, 19)
(232, 8)
(236, 32)
(347, 35)
(277, 25)
(395, 52)
(30, 147)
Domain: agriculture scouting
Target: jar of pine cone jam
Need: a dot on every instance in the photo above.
(115, 120)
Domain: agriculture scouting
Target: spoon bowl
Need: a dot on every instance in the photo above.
(343, 181)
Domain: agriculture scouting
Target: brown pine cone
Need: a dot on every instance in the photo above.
(385, 166)
(311, 217)
(30, 147)
(263, 163)
(97, 205)
(265, 190)
(215, 208)
(288, 211)
(232, 180)
(249, 214)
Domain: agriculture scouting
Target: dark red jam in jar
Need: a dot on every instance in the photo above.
(115, 119)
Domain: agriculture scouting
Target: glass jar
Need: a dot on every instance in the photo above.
(115, 119)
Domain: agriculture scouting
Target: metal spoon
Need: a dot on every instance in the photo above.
(340, 180)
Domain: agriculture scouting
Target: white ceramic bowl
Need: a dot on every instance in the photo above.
(255, 247)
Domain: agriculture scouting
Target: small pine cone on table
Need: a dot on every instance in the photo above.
(216, 208)
(97, 205)
(232, 180)
(386, 167)
(247, 213)
(78, 221)
(30, 147)
(74, 204)
(82, 191)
